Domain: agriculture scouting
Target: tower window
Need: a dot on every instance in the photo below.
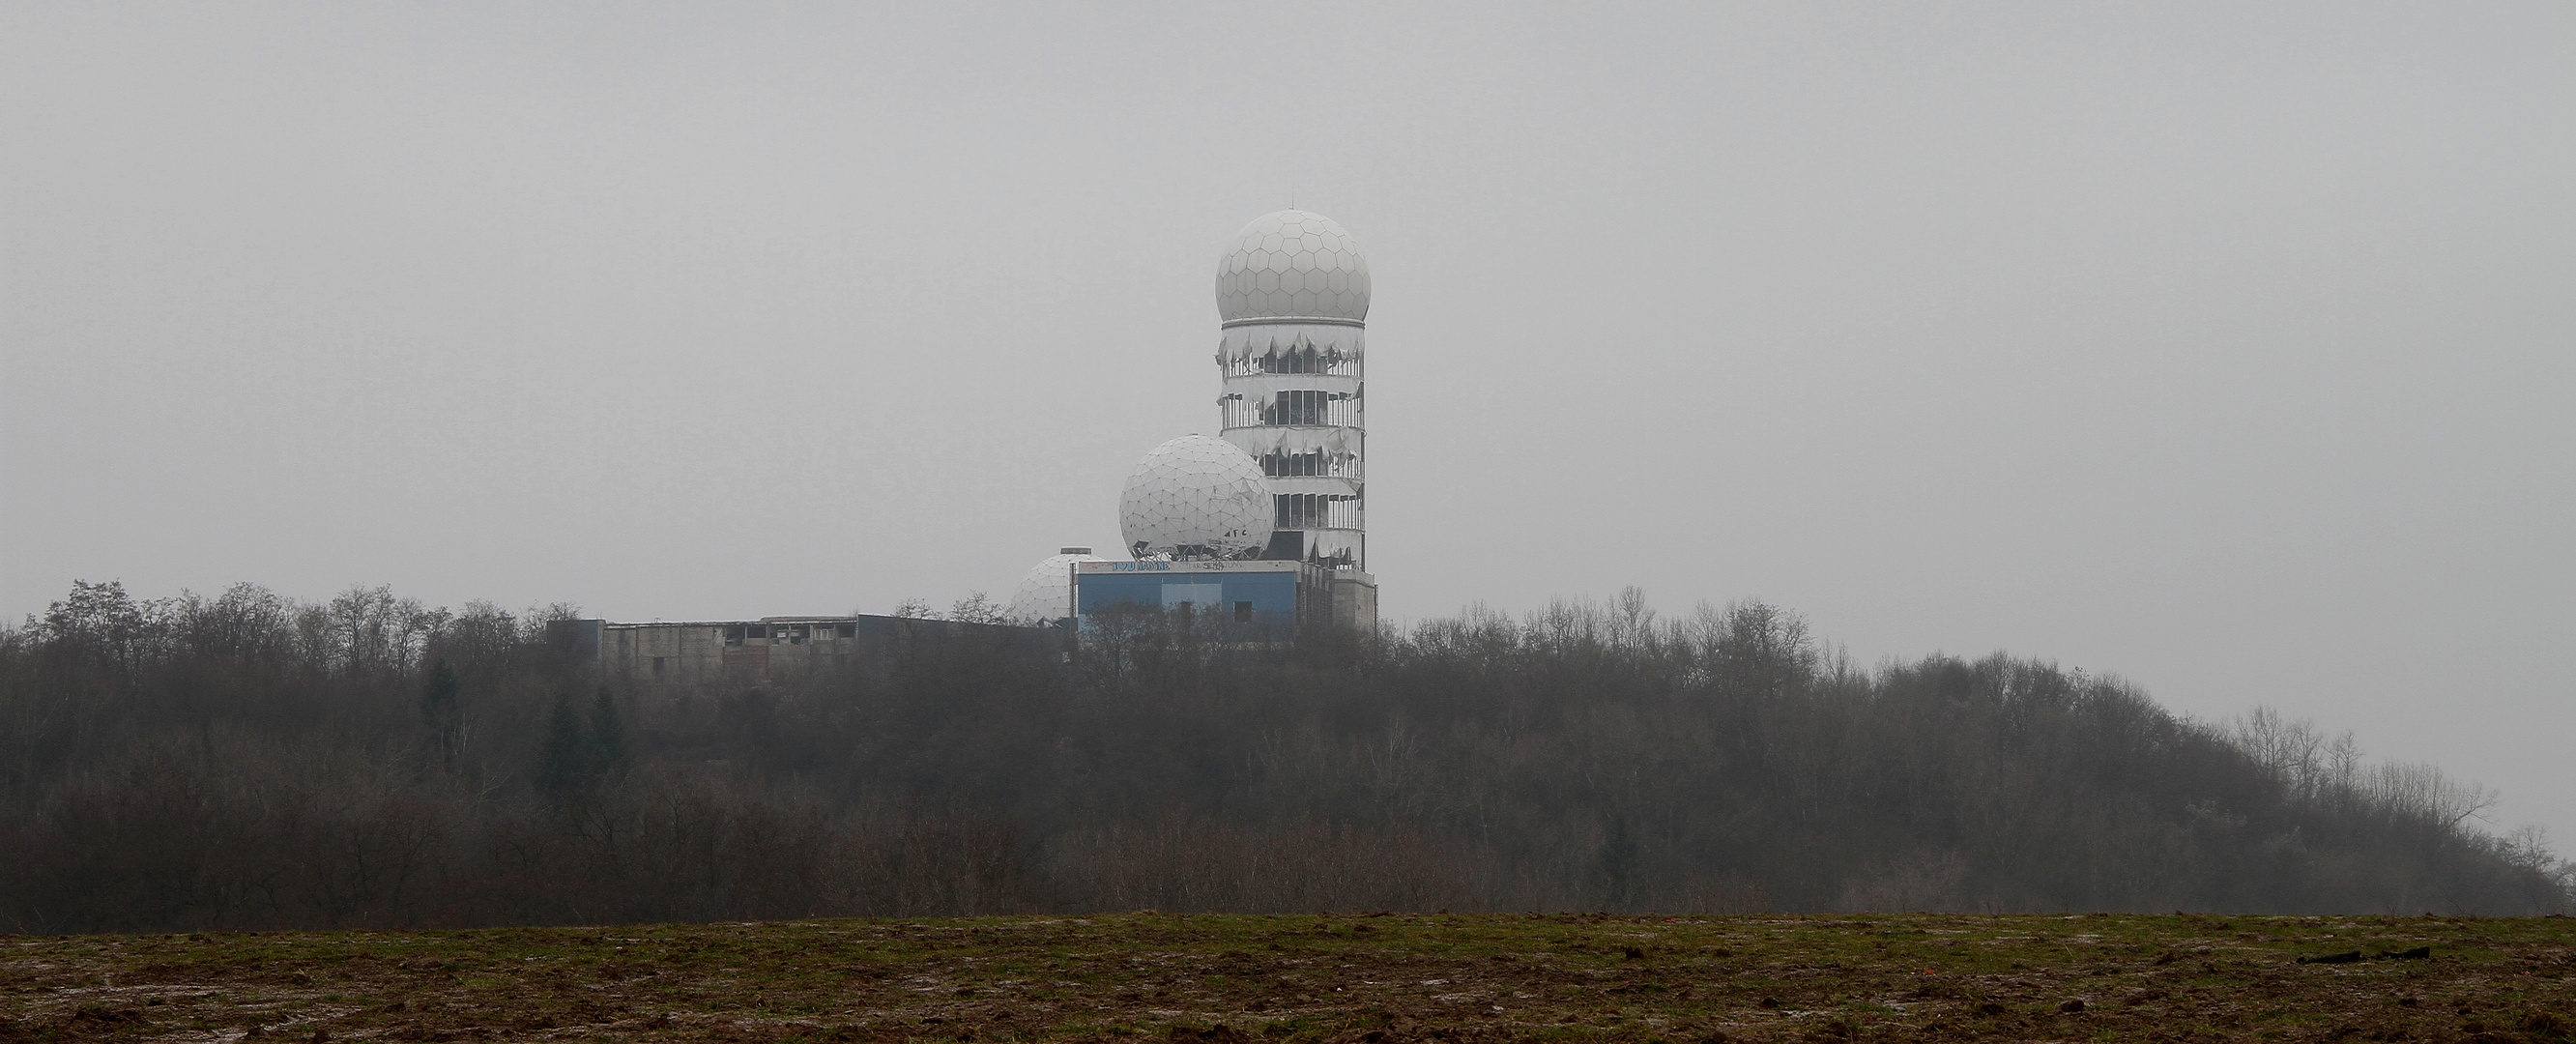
(1297, 408)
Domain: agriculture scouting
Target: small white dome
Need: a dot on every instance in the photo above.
(1196, 496)
(1293, 263)
(1047, 592)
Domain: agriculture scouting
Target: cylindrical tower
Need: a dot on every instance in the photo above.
(1293, 293)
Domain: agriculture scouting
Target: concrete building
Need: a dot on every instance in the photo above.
(772, 646)
(1256, 599)
(1265, 526)
(1292, 298)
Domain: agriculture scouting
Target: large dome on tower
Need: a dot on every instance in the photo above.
(1292, 264)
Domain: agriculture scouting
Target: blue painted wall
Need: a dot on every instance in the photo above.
(1273, 595)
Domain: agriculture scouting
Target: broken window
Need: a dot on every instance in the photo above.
(1291, 465)
(849, 630)
(1243, 612)
(733, 636)
(1297, 408)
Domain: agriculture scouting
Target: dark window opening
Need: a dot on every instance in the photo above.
(1243, 612)
(1294, 408)
(733, 636)
(797, 634)
(849, 630)
(1281, 465)
(1313, 511)
(658, 663)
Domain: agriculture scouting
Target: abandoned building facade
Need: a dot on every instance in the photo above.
(707, 650)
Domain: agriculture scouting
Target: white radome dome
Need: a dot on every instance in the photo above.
(1196, 496)
(1294, 263)
(1047, 592)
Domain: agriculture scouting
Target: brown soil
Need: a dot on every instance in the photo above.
(1338, 979)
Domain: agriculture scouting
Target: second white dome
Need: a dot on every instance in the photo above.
(1196, 496)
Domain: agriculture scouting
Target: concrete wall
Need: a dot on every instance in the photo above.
(1281, 596)
(750, 650)
(1355, 600)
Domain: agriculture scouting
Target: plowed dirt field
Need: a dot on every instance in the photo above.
(1341, 979)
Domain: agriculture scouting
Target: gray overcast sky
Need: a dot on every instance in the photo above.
(2225, 348)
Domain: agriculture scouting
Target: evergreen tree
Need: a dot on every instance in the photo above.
(608, 755)
(438, 707)
(1618, 860)
(562, 756)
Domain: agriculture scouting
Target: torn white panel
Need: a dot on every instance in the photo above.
(1303, 452)
(1292, 346)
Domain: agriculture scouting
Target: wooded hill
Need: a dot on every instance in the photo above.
(249, 761)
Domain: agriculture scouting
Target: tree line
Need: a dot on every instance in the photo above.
(253, 761)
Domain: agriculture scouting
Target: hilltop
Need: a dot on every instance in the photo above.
(250, 762)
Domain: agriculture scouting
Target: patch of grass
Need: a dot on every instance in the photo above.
(1311, 980)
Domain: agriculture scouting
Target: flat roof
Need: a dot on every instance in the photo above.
(1256, 565)
(760, 620)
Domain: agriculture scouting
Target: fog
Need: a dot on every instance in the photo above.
(2222, 349)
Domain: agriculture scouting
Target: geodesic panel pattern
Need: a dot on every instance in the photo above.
(1196, 495)
(1293, 263)
(1047, 592)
